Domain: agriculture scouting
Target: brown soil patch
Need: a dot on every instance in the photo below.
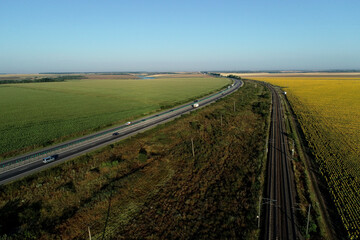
(108, 76)
(180, 75)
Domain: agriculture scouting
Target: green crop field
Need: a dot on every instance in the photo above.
(39, 114)
(151, 186)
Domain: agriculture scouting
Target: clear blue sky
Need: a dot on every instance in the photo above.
(174, 35)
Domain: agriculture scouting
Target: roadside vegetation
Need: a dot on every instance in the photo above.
(41, 114)
(328, 113)
(198, 177)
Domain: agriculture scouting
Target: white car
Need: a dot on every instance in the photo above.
(50, 158)
(128, 123)
(195, 105)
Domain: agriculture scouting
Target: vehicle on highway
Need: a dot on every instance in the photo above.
(196, 100)
(195, 105)
(16, 169)
(50, 158)
(115, 134)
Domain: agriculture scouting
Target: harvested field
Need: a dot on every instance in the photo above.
(86, 75)
(180, 75)
(109, 76)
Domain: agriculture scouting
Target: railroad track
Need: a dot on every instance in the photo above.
(279, 195)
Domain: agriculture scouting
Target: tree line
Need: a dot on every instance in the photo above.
(29, 80)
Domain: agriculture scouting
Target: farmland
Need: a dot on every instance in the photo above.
(151, 186)
(327, 109)
(34, 115)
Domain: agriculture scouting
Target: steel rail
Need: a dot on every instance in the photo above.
(279, 222)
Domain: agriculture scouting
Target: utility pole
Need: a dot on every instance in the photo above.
(271, 202)
(308, 219)
(89, 233)
(192, 146)
(259, 211)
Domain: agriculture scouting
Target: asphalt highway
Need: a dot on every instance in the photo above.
(30, 163)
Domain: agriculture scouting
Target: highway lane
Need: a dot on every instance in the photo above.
(30, 163)
(279, 221)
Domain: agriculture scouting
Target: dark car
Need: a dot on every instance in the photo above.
(115, 133)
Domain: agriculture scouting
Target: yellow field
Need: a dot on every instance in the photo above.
(328, 110)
